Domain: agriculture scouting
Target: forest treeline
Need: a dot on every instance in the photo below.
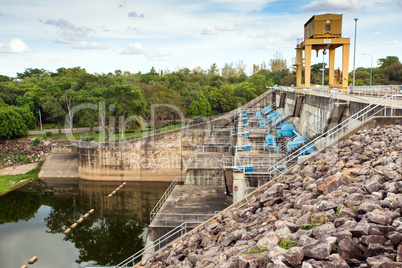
(195, 92)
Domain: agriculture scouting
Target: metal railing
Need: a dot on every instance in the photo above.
(179, 218)
(178, 179)
(366, 91)
(152, 247)
(357, 119)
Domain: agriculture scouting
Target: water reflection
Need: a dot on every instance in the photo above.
(32, 221)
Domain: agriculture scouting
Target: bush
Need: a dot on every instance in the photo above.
(88, 138)
(35, 142)
(48, 134)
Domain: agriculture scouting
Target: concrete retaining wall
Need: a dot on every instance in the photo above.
(159, 157)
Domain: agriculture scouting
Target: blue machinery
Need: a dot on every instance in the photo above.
(270, 143)
(245, 147)
(245, 134)
(287, 130)
(245, 168)
(283, 130)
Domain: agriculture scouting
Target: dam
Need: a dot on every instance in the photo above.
(217, 163)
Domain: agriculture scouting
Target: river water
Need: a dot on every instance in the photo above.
(33, 218)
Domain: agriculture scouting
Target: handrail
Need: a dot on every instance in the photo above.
(182, 217)
(197, 181)
(164, 197)
(362, 114)
(130, 261)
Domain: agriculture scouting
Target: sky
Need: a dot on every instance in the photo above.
(129, 35)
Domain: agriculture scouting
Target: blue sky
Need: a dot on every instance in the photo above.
(104, 35)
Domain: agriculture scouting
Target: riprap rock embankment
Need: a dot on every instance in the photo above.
(339, 208)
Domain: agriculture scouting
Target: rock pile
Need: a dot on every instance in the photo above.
(23, 150)
(340, 208)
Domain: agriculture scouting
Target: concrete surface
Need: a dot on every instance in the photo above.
(60, 165)
(21, 169)
(191, 199)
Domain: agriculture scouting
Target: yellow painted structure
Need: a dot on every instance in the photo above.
(323, 32)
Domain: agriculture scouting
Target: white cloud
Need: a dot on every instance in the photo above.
(264, 34)
(134, 48)
(70, 33)
(132, 29)
(234, 27)
(88, 45)
(334, 6)
(138, 49)
(14, 46)
(244, 5)
(134, 14)
(392, 43)
(209, 31)
(154, 55)
(376, 33)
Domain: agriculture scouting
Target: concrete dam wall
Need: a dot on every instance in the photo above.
(164, 156)
(160, 157)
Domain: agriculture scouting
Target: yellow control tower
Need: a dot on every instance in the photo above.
(322, 32)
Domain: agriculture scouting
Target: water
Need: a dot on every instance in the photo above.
(32, 221)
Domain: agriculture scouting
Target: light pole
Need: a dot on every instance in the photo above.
(354, 57)
(40, 119)
(371, 70)
(323, 66)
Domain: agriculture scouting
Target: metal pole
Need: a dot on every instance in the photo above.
(354, 57)
(40, 119)
(323, 68)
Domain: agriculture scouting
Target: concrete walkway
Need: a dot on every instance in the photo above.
(15, 170)
(60, 165)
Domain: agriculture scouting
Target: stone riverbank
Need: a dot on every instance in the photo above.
(339, 208)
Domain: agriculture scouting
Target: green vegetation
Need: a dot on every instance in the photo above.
(17, 158)
(287, 243)
(337, 210)
(119, 101)
(254, 251)
(11, 182)
(35, 142)
(309, 226)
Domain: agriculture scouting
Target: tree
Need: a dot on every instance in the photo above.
(258, 83)
(121, 102)
(256, 68)
(200, 106)
(4, 78)
(12, 125)
(240, 67)
(163, 100)
(388, 61)
(213, 70)
(277, 63)
(245, 90)
(222, 100)
(30, 72)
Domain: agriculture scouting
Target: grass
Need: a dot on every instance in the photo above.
(309, 226)
(287, 243)
(337, 210)
(17, 158)
(9, 183)
(254, 251)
